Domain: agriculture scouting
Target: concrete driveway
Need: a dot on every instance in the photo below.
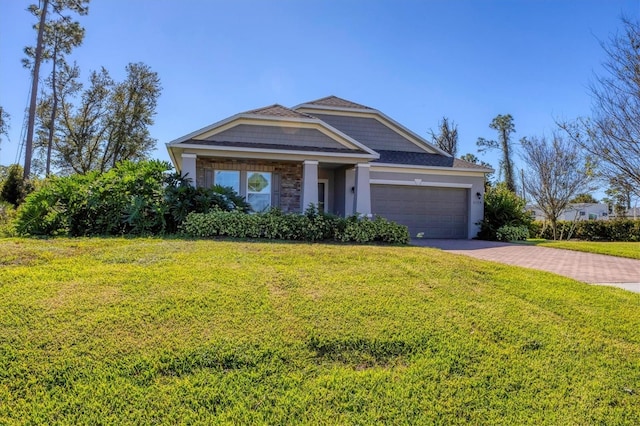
(586, 267)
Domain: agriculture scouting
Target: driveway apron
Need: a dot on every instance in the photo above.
(586, 267)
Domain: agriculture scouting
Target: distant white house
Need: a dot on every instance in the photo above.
(578, 211)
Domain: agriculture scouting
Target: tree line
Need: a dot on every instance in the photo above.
(73, 126)
(603, 149)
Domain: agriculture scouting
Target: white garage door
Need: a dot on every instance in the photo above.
(436, 212)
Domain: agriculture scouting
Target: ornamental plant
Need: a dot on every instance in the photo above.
(505, 217)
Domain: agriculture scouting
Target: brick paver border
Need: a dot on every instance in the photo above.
(586, 267)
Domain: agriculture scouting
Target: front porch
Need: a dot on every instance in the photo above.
(337, 188)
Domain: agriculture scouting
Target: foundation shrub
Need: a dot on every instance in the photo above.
(379, 229)
(310, 226)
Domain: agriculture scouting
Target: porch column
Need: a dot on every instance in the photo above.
(189, 167)
(309, 184)
(362, 199)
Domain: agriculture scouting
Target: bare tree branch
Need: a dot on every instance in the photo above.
(556, 171)
(613, 131)
(447, 139)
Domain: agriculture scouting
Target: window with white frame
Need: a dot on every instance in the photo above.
(259, 190)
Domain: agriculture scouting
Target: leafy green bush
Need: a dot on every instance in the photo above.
(502, 208)
(512, 233)
(7, 215)
(132, 198)
(592, 230)
(181, 198)
(379, 229)
(310, 226)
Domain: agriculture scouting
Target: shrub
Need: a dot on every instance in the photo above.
(181, 198)
(502, 208)
(7, 215)
(132, 198)
(379, 229)
(310, 226)
(592, 230)
(512, 233)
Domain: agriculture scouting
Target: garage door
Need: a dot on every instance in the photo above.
(437, 212)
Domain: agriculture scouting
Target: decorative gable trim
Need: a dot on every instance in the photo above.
(261, 120)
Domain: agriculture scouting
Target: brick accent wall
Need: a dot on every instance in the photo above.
(289, 177)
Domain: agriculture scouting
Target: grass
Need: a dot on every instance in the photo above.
(620, 249)
(139, 331)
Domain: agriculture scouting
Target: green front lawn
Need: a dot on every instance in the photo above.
(620, 249)
(140, 331)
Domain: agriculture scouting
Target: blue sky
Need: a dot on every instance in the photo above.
(416, 61)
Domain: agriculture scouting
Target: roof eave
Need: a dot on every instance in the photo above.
(362, 155)
(419, 166)
(334, 108)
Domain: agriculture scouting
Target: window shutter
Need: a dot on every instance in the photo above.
(208, 178)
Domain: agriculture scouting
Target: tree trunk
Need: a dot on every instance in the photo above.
(28, 150)
(508, 167)
(54, 108)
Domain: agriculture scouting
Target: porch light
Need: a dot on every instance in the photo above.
(479, 195)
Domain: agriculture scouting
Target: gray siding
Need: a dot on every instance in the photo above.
(370, 132)
(277, 135)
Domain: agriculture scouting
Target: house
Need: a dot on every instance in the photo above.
(341, 156)
(576, 211)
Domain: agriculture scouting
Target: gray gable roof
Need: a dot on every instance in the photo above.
(352, 120)
(277, 110)
(334, 101)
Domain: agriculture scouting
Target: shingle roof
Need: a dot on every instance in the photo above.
(424, 159)
(334, 101)
(462, 164)
(277, 110)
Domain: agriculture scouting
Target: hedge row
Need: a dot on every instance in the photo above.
(311, 226)
(591, 230)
